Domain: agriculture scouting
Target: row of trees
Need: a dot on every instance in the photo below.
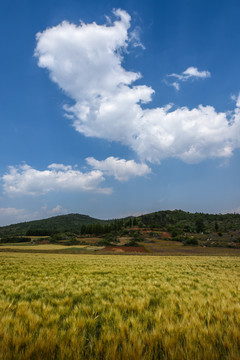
(100, 229)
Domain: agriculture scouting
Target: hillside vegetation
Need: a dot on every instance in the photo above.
(148, 231)
(56, 224)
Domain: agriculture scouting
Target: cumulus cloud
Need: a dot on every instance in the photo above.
(24, 180)
(60, 167)
(121, 169)
(190, 135)
(86, 61)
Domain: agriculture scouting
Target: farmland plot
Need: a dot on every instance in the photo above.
(119, 307)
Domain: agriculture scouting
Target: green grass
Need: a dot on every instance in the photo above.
(119, 307)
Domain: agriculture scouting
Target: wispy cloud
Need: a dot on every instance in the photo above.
(135, 39)
(14, 215)
(236, 98)
(191, 73)
(11, 212)
(57, 210)
(176, 85)
(86, 61)
(232, 211)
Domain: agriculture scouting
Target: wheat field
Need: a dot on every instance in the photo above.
(40, 247)
(118, 307)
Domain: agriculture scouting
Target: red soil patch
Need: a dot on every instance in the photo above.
(165, 234)
(43, 242)
(125, 249)
(161, 234)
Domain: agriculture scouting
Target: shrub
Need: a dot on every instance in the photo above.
(58, 237)
(137, 237)
(14, 239)
(73, 242)
(111, 238)
(104, 242)
(132, 242)
(191, 241)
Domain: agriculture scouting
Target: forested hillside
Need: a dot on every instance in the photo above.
(176, 221)
(56, 224)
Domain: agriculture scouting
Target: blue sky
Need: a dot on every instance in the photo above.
(118, 108)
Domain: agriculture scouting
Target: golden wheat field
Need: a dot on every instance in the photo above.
(119, 307)
(40, 247)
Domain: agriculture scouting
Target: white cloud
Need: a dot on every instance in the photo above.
(236, 99)
(11, 215)
(14, 215)
(11, 212)
(134, 37)
(45, 212)
(24, 180)
(175, 85)
(58, 210)
(121, 169)
(60, 167)
(190, 135)
(86, 62)
(191, 73)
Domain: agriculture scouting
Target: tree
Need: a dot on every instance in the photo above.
(200, 225)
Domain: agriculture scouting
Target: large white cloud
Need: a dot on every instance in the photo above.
(24, 180)
(121, 169)
(86, 62)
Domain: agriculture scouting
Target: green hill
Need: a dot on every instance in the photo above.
(56, 224)
(176, 222)
(191, 222)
